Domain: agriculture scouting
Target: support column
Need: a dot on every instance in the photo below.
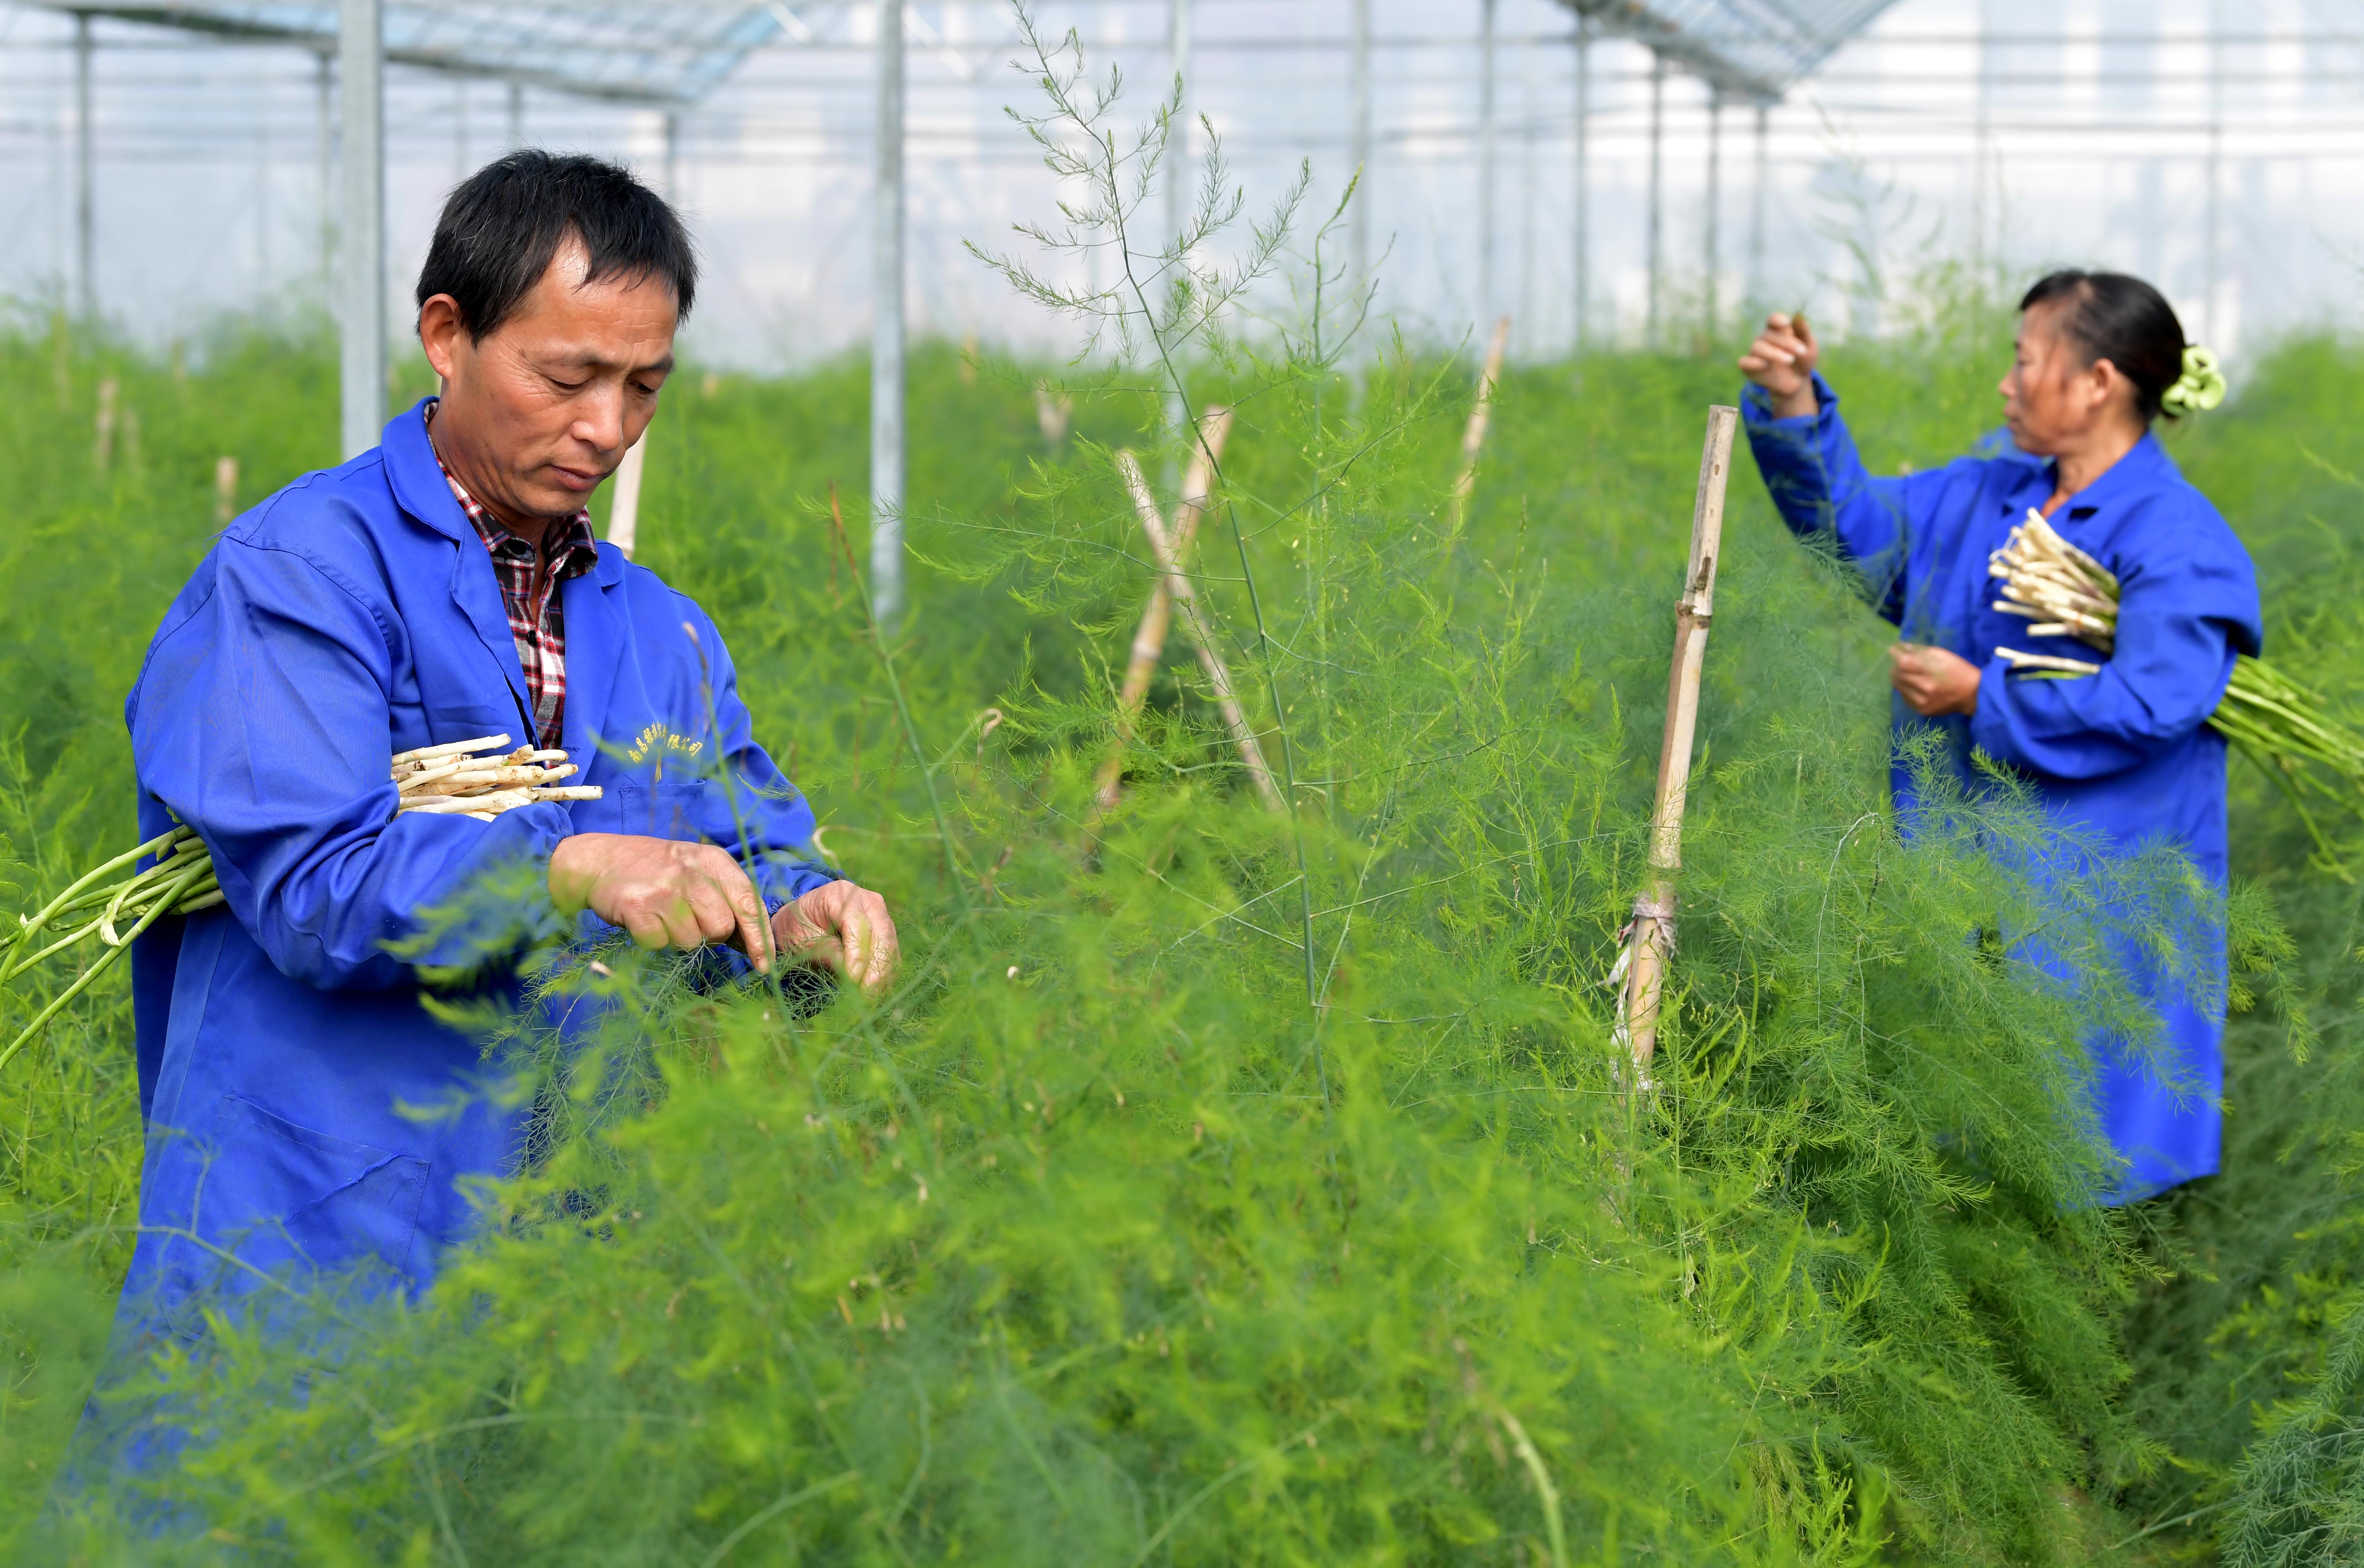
(1527, 299)
(1657, 193)
(460, 168)
(517, 115)
(361, 312)
(1583, 196)
(324, 130)
(1178, 173)
(262, 209)
(1485, 290)
(2211, 316)
(1714, 234)
(1982, 150)
(1358, 221)
(86, 179)
(672, 157)
(887, 330)
(1757, 288)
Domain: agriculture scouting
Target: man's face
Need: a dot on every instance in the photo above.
(541, 409)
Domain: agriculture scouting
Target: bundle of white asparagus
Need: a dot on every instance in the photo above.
(455, 780)
(2280, 725)
(477, 778)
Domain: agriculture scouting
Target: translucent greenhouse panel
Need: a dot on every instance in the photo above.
(673, 52)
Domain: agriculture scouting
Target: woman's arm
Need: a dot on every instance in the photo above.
(1812, 469)
(2187, 611)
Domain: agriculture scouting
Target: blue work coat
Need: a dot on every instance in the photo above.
(2121, 762)
(304, 1109)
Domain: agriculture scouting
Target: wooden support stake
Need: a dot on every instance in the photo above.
(1473, 438)
(1149, 640)
(1194, 622)
(624, 507)
(1651, 937)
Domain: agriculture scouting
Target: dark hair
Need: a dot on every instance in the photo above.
(2120, 319)
(504, 224)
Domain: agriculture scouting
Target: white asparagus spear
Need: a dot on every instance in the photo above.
(495, 778)
(463, 805)
(451, 747)
(2020, 660)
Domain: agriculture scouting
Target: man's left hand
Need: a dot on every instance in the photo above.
(841, 928)
(1932, 681)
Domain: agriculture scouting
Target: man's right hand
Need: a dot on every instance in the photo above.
(1782, 361)
(666, 892)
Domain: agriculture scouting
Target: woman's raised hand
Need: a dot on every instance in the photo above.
(1782, 361)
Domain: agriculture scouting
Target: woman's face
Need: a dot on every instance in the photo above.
(2055, 399)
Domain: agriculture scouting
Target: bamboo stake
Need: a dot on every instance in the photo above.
(1473, 438)
(624, 508)
(1149, 640)
(1194, 621)
(1651, 941)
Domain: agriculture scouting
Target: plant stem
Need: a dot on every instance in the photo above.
(1264, 639)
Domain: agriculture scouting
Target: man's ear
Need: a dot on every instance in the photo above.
(441, 333)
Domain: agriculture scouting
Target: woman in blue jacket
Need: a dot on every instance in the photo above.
(2123, 760)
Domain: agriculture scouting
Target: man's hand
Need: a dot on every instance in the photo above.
(1932, 681)
(842, 928)
(666, 892)
(1782, 361)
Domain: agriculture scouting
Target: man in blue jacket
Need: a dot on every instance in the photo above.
(304, 1111)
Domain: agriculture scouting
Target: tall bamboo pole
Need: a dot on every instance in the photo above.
(1473, 437)
(1149, 640)
(1194, 621)
(1651, 937)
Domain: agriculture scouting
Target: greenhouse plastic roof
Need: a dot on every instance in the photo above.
(1755, 50)
(671, 52)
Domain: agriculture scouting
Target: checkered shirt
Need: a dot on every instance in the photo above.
(529, 580)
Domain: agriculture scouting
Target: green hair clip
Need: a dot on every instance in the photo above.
(2199, 389)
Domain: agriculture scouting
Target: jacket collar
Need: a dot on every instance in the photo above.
(2143, 468)
(419, 489)
(418, 478)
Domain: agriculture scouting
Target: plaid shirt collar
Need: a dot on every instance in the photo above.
(529, 580)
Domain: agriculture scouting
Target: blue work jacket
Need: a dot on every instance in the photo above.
(2123, 760)
(304, 1109)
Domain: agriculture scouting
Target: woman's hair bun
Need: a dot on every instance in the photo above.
(2200, 388)
(2125, 321)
